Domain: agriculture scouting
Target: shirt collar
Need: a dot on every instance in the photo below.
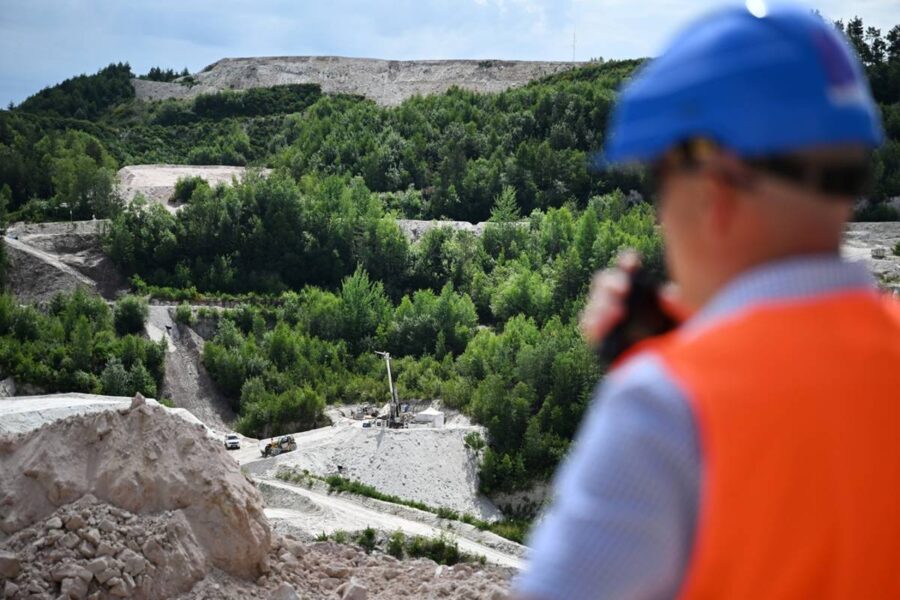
(795, 278)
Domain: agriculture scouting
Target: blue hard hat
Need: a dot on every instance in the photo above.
(759, 81)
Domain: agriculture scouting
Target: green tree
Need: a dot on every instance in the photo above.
(83, 176)
(186, 186)
(364, 309)
(130, 315)
(82, 344)
(184, 314)
(114, 379)
(5, 199)
(140, 380)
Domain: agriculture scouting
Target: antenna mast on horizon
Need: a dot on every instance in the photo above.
(573, 44)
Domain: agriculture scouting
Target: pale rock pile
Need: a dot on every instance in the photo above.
(328, 570)
(153, 465)
(92, 549)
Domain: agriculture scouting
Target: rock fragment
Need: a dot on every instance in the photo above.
(355, 591)
(284, 592)
(9, 565)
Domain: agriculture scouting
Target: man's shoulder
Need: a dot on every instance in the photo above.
(644, 375)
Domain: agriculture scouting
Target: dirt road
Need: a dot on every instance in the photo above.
(320, 512)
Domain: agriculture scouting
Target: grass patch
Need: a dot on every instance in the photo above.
(441, 549)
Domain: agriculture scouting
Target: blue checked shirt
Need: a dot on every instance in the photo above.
(626, 500)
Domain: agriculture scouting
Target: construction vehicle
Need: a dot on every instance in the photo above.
(393, 419)
(279, 445)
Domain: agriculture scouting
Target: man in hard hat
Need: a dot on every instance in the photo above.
(753, 451)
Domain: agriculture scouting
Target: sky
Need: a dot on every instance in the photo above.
(43, 42)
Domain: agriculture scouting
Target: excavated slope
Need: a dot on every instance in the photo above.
(387, 82)
(55, 257)
(187, 382)
(36, 276)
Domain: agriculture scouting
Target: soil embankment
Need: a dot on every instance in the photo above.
(48, 258)
(862, 238)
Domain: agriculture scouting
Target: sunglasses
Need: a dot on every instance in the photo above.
(839, 178)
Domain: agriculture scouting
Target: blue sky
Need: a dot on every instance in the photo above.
(43, 42)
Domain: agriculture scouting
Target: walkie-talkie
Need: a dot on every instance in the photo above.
(644, 318)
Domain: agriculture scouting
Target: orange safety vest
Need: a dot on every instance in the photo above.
(797, 405)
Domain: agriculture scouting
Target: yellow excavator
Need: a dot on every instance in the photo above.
(279, 445)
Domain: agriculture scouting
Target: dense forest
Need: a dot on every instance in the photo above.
(79, 344)
(314, 252)
(441, 156)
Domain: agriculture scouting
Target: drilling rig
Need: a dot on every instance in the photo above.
(394, 419)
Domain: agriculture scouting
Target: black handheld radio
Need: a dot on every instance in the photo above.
(644, 318)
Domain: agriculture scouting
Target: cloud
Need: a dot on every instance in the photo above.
(43, 42)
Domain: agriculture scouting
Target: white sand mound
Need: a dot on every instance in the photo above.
(432, 466)
(21, 414)
(146, 461)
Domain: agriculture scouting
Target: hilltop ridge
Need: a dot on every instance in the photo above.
(387, 82)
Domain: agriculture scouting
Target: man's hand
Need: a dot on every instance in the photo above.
(606, 300)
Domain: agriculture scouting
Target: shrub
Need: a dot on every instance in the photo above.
(474, 442)
(140, 380)
(184, 314)
(130, 314)
(186, 186)
(395, 544)
(447, 513)
(339, 536)
(366, 539)
(25, 324)
(441, 550)
(877, 211)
